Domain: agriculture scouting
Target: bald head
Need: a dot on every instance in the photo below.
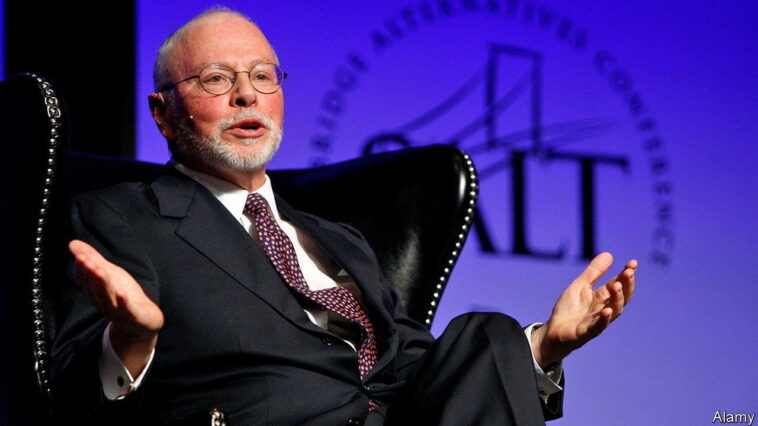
(178, 43)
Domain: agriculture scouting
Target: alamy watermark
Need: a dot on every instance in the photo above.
(724, 417)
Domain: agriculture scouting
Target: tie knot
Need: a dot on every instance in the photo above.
(255, 205)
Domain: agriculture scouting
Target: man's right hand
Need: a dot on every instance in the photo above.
(135, 319)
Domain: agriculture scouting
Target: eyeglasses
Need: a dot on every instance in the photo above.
(219, 79)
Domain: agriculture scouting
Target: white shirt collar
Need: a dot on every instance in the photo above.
(230, 195)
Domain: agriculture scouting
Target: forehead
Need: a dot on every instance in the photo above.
(222, 39)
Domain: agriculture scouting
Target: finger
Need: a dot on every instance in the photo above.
(597, 267)
(606, 316)
(81, 276)
(94, 281)
(627, 279)
(616, 302)
(80, 249)
(84, 273)
(92, 267)
(628, 282)
(90, 273)
(630, 265)
(600, 322)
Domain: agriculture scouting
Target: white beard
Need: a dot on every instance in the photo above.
(215, 151)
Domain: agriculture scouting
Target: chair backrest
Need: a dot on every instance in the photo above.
(414, 206)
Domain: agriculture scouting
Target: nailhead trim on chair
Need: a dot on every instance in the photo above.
(470, 201)
(41, 358)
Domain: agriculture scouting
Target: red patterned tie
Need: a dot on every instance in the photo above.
(279, 249)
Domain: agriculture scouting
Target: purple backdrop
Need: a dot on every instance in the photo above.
(656, 99)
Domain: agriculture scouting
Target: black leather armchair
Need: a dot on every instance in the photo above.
(414, 206)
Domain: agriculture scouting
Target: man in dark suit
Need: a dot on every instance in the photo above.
(187, 311)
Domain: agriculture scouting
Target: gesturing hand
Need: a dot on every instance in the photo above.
(582, 313)
(135, 319)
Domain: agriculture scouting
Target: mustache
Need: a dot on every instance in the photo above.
(243, 114)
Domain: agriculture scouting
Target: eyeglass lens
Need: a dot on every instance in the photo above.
(266, 78)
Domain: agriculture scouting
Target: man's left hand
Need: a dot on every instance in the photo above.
(582, 313)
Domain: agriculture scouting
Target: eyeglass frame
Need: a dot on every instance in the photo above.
(234, 80)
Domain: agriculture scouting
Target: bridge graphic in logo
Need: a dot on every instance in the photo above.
(496, 116)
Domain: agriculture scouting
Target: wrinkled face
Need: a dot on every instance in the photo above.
(239, 130)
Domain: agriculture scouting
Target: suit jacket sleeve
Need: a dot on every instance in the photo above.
(553, 408)
(77, 347)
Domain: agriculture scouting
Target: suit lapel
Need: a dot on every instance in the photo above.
(208, 227)
(361, 267)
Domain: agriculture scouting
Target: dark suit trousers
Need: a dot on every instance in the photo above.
(478, 372)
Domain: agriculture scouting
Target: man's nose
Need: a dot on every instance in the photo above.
(243, 93)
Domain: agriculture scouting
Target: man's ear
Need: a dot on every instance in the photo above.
(159, 111)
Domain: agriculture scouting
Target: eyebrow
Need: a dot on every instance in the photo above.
(253, 63)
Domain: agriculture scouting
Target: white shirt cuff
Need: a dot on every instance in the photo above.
(547, 381)
(116, 380)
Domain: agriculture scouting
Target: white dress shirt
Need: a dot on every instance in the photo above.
(319, 270)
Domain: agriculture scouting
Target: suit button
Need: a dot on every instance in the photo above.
(354, 421)
(328, 341)
(366, 388)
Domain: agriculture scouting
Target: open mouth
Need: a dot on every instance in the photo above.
(248, 124)
(248, 128)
